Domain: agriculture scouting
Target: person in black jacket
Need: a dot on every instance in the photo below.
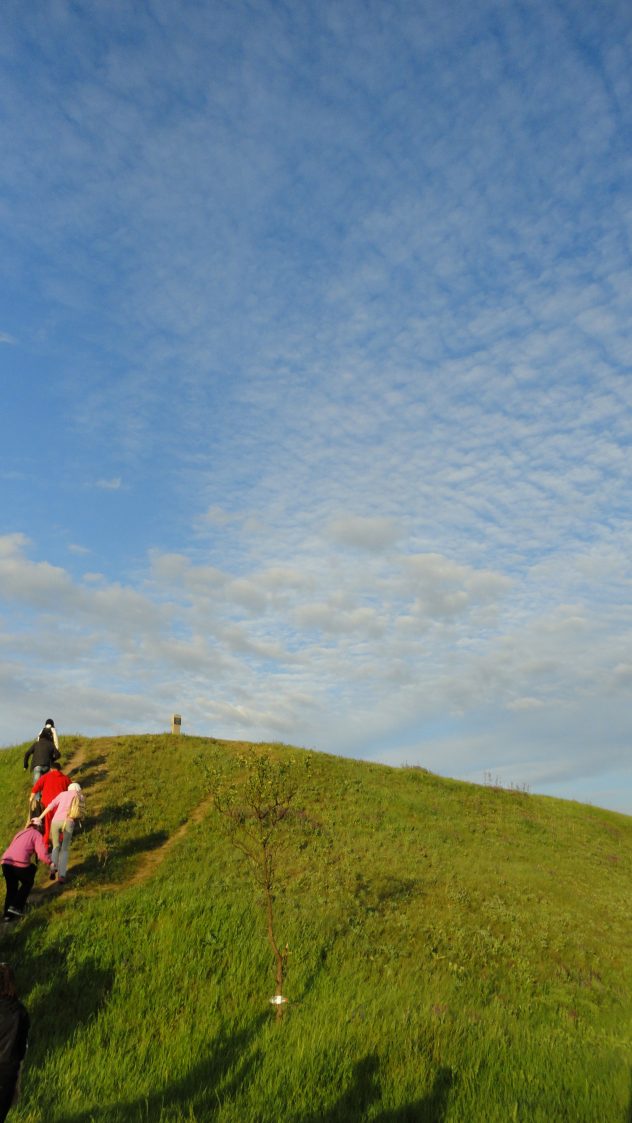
(50, 724)
(14, 1031)
(43, 751)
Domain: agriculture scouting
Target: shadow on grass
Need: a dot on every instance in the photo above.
(374, 895)
(86, 765)
(66, 998)
(100, 865)
(94, 864)
(87, 779)
(430, 1109)
(111, 815)
(207, 1085)
(89, 772)
(365, 1090)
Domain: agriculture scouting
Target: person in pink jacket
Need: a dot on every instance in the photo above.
(19, 871)
(62, 827)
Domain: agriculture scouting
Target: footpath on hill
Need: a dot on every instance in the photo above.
(93, 772)
(73, 768)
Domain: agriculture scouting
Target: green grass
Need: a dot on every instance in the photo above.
(459, 954)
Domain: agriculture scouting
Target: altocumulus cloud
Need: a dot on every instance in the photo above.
(406, 641)
(373, 534)
(340, 342)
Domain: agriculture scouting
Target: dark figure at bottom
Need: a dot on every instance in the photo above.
(14, 1031)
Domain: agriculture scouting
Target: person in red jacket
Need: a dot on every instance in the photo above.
(47, 787)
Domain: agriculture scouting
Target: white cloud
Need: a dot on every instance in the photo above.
(335, 619)
(373, 534)
(369, 377)
(216, 516)
(361, 665)
(12, 545)
(113, 484)
(525, 704)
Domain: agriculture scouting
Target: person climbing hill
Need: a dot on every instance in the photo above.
(19, 871)
(14, 1031)
(45, 789)
(43, 751)
(68, 808)
(50, 724)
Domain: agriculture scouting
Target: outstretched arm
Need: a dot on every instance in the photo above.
(53, 803)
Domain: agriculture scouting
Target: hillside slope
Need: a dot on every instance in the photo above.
(457, 953)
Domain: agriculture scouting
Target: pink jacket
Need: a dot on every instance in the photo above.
(26, 842)
(61, 804)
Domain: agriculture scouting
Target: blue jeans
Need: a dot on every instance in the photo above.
(60, 854)
(40, 770)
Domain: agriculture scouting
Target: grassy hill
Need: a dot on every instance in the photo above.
(458, 954)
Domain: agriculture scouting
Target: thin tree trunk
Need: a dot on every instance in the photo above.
(273, 944)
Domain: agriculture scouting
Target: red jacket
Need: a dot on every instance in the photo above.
(50, 785)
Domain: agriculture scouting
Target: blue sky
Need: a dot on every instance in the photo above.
(315, 376)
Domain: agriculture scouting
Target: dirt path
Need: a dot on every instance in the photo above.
(47, 888)
(77, 759)
(149, 862)
(154, 858)
(147, 866)
(71, 767)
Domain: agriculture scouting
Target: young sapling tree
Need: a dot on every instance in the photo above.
(256, 815)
